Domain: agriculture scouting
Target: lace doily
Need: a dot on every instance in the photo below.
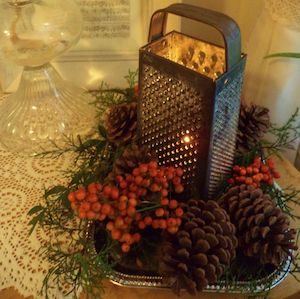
(286, 12)
(22, 184)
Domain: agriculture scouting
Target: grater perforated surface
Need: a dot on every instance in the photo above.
(171, 120)
(225, 123)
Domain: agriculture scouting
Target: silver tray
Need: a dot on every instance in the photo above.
(261, 285)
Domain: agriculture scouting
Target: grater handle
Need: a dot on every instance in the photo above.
(224, 24)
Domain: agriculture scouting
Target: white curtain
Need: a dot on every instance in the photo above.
(275, 82)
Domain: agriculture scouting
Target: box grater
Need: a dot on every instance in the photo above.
(190, 97)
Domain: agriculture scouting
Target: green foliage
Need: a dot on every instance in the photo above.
(283, 55)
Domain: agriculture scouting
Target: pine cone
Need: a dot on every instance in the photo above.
(122, 122)
(197, 254)
(253, 124)
(130, 159)
(262, 228)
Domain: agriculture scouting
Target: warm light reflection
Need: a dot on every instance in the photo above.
(6, 32)
(187, 139)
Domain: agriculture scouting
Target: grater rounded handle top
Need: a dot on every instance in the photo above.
(223, 23)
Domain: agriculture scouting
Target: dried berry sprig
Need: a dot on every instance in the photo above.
(136, 201)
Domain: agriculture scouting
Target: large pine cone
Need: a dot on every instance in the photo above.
(130, 159)
(197, 255)
(262, 228)
(122, 122)
(253, 124)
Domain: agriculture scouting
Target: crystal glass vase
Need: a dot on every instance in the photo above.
(45, 109)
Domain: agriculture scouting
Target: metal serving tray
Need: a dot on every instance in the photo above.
(261, 285)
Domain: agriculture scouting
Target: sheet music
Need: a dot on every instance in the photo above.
(105, 18)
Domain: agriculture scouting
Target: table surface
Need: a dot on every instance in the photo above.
(289, 289)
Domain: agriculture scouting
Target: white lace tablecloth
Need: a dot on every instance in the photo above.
(22, 183)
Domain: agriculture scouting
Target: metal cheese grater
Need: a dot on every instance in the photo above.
(190, 97)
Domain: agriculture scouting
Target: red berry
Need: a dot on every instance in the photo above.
(176, 180)
(270, 182)
(123, 184)
(98, 186)
(119, 178)
(159, 212)
(106, 208)
(110, 226)
(179, 188)
(276, 174)
(138, 180)
(102, 217)
(92, 197)
(132, 202)
(143, 168)
(116, 234)
(264, 168)
(255, 170)
(122, 206)
(171, 222)
(162, 224)
(141, 225)
(249, 170)
(96, 207)
(164, 192)
(169, 175)
(173, 230)
(173, 204)
(131, 211)
(236, 168)
(242, 179)
(148, 220)
(125, 247)
(248, 181)
(136, 237)
(230, 181)
(152, 164)
(138, 216)
(136, 172)
(80, 194)
(164, 201)
(153, 172)
(123, 198)
(85, 206)
(154, 187)
(155, 223)
(179, 172)
(71, 197)
(82, 215)
(243, 171)
(131, 195)
(129, 178)
(270, 163)
(133, 187)
(91, 215)
(92, 188)
(126, 238)
(179, 212)
(107, 190)
(119, 222)
(146, 182)
(115, 193)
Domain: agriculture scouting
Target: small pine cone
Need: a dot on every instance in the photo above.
(122, 123)
(253, 124)
(262, 228)
(130, 159)
(197, 254)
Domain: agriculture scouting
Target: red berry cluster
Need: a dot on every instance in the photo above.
(255, 174)
(127, 206)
